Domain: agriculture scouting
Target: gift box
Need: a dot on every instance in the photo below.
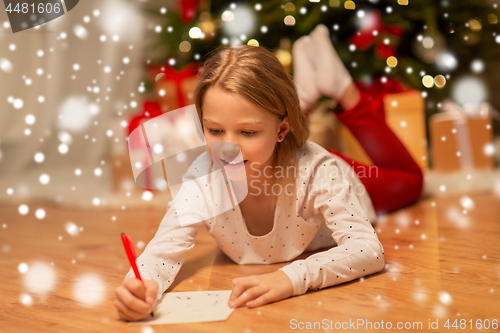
(137, 156)
(404, 114)
(174, 89)
(324, 128)
(461, 140)
(122, 177)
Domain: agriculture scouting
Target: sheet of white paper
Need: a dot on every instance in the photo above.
(190, 307)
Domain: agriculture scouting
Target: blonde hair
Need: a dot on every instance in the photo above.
(255, 73)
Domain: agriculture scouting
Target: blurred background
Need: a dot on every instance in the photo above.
(72, 90)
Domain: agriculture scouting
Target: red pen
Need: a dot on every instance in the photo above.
(132, 256)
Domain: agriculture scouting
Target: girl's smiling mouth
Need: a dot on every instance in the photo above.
(232, 164)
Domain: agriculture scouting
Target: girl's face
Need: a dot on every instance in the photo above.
(229, 117)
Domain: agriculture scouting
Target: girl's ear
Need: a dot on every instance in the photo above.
(284, 127)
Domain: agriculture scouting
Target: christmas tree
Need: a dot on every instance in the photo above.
(425, 44)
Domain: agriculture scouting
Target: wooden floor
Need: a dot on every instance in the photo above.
(441, 263)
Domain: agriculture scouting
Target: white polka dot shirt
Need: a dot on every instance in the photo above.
(331, 210)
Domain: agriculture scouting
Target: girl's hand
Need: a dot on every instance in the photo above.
(132, 301)
(257, 290)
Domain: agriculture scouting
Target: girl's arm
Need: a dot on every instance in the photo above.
(164, 255)
(359, 251)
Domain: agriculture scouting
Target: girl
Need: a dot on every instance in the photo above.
(300, 196)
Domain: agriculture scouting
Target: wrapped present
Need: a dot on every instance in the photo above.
(137, 155)
(404, 114)
(174, 89)
(150, 109)
(163, 148)
(323, 127)
(122, 176)
(461, 139)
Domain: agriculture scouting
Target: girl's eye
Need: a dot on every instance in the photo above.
(247, 133)
(214, 131)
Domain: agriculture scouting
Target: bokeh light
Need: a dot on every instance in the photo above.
(40, 278)
(89, 290)
(439, 81)
(40, 213)
(428, 81)
(253, 42)
(71, 228)
(75, 114)
(446, 61)
(23, 209)
(469, 90)
(467, 203)
(195, 32)
(349, 5)
(392, 61)
(477, 66)
(289, 20)
(185, 46)
(238, 21)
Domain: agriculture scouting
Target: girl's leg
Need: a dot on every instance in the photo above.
(399, 179)
(395, 180)
(366, 121)
(389, 189)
